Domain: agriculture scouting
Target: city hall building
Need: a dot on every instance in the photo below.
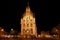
(28, 24)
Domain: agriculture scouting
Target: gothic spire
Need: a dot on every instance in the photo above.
(27, 8)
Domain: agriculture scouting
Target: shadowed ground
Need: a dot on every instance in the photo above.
(16, 38)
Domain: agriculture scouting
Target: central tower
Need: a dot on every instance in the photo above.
(28, 24)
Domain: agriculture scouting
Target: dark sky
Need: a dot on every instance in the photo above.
(45, 19)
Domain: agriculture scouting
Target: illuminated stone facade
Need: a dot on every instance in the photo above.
(28, 24)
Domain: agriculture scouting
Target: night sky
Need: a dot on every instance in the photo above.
(45, 19)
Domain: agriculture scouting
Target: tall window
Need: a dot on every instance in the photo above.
(30, 19)
(27, 19)
(24, 25)
(27, 31)
(23, 30)
(27, 25)
(32, 31)
(23, 20)
(31, 25)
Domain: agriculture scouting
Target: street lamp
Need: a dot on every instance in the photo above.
(11, 29)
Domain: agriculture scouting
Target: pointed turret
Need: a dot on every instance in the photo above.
(28, 9)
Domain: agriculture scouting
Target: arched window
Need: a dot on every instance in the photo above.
(23, 30)
(24, 25)
(27, 19)
(31, 25)
(27, 30)
(27, 25)
(30, 19)
(32, 31)
(23, 20)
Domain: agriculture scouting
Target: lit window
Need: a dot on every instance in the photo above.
(27, 31)
(24, 25)
(27, 25)
(28, 18)
(23, 30)
(32, 31)
(31, 25)
(23, 20)
(31, 20)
